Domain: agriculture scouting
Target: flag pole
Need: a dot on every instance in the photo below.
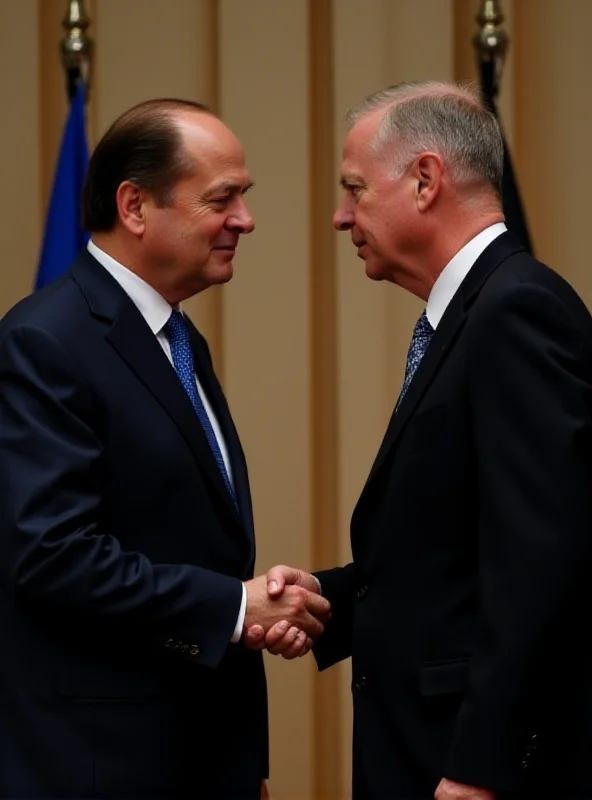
(63, 236)
(76, 48)
(491, 46)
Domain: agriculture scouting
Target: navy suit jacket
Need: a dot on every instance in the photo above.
(466, 607)
(121, 561)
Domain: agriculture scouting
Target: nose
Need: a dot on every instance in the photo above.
(343, 218)
(242, 220)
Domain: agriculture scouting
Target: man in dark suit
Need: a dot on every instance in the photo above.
(465, 610)
(126, 529)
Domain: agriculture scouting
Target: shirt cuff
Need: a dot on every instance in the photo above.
(238, 628)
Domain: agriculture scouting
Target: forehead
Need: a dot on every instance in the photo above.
(212, 146)
(357, 153)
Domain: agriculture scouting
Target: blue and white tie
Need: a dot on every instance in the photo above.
(422, 336)
(178, 336)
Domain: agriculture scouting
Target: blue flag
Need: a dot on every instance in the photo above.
(64, 236)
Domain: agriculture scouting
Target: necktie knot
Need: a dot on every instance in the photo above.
(422, 336)
(176, 328)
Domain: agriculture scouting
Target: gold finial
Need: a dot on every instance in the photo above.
(76, 47)
(491, 41)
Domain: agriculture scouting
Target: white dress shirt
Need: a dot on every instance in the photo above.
(156, 311)
(456, 270)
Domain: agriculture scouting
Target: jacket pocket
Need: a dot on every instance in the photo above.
(444, 677)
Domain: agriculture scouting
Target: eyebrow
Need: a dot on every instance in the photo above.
(230, 187)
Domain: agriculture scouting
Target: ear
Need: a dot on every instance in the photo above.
(428, 171)
(130, 207)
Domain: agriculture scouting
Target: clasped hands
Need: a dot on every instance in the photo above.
(285, 612)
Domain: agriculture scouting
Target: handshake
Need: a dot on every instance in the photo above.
(285, 612)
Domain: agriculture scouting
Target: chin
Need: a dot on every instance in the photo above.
(374, 272)
(222, 266)
(224, 274)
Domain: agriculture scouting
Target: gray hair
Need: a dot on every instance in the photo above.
(445, 118)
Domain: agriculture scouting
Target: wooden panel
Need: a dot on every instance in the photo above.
(324, 395)
(554, 129)
(21, 207)
(267, 317)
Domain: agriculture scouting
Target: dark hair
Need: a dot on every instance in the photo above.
(143, 146)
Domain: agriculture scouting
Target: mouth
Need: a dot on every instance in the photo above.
(360, 245)
(227, 250)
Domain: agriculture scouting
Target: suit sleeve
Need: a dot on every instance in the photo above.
(338, 586)
(55, 556)
(530, 393)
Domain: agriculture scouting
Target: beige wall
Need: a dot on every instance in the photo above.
(311, 353)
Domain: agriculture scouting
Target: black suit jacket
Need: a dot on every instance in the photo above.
(465, 610)
(121, 561)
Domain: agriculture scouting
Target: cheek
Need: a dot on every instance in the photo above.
(199, 228)
(370, 221)
(391, 227)
(163, 237)
(378, 233)
(169, 232)
(362, 220)
(210, 227)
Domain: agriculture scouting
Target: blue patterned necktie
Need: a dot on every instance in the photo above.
(178, 336)
(422, 336)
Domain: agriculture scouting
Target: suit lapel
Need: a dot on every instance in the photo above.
(444, 338)
(135, 343)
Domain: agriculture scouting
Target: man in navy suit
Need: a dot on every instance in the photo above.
(126, 529)
(466, 608)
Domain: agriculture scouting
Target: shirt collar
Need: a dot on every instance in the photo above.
(151, 305)
(456, 270)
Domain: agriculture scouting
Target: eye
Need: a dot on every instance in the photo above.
(220, 201)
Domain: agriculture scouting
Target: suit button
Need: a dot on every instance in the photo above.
(525, 765)
(194, 650)
(362, 592)
(170, 642)
(361, 684)
(184, 648)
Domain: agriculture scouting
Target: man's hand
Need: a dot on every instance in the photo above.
(294, 608)
(283, 638)
(280, 576)
(449, 790)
